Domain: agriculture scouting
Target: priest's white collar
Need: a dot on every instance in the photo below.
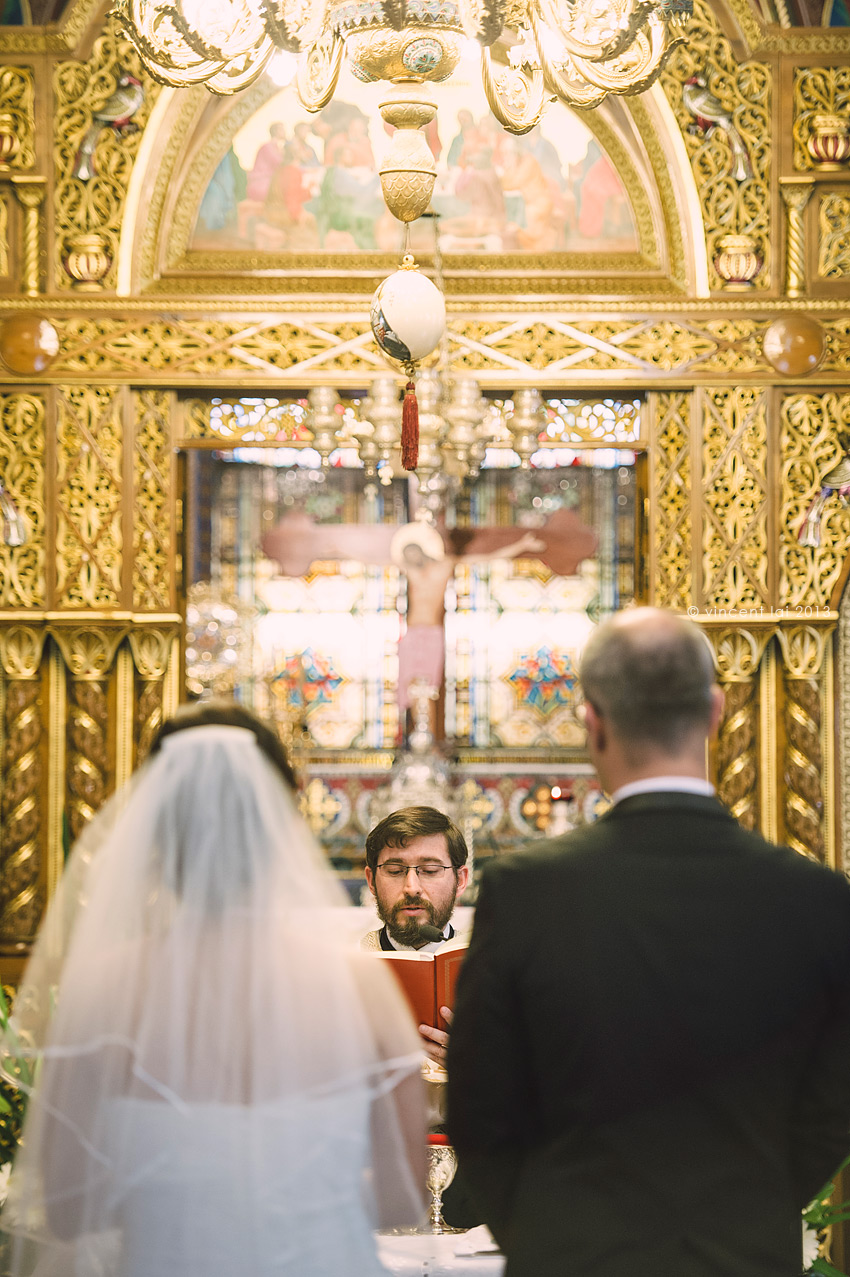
(431, 947)
(664, 785)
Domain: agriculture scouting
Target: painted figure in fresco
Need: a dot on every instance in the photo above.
(523, 175)
(218, 211)
(285, 205)
(266, 163)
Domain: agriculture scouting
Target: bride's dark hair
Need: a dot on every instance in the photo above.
(224, 713)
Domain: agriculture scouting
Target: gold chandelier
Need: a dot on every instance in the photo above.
(574, 50)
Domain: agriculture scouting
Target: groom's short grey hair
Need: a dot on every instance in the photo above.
(650, 674)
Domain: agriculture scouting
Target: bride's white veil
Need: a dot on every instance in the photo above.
(192, 961)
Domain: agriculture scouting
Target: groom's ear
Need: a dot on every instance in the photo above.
(370, 880)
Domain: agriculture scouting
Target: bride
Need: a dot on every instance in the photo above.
(224, 1086)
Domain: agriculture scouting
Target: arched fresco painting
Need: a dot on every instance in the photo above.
(293, 182)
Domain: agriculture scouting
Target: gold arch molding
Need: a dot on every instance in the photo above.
(189, 131)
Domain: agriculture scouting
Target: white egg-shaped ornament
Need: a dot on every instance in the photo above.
(408, 317)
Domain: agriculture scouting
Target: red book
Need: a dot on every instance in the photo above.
(428, 980)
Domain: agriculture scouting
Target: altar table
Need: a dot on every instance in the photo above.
(430, 1256)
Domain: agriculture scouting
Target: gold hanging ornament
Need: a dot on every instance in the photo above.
(408, 316)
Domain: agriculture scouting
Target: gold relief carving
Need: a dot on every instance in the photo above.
(20, 807)
(148, 715)
(804, 650)
(30, 192)
(96, 205)
(17, 102)
(802, 768)
(88, 522)
(810, 448)
(21, 647)
(736, 758)
(834, 238)
(738, 653)
(795, 193)
(197, 415)
(88, 652)
(22, 568)
(817, 91)
(153, 480)
(298, 352)
(87, 757)
(734, 486)
(151, 650)
(4, 237)
(670, 507)
(744, 90)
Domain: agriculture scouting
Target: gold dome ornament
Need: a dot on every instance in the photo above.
(408, 317)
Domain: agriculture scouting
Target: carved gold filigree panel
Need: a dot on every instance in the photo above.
(89, 542)
(670, 502)
(17, 99)
(4, 236)
(803, 650)
(834, 236)
(744, 92)
(734, 486)
(817, 91)
(95, 205)
(22, 568)
(153, 531)
(301, 352)
(812, 426)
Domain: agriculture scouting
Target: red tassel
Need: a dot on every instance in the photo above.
(410, 428)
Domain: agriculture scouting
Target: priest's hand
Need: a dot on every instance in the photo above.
(437, 1040)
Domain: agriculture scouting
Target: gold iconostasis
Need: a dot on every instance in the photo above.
(648, 342)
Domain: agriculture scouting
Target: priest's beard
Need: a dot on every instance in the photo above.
(406, 930)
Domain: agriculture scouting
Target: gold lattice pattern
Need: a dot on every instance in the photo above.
(95, 205)
(22, 582)
(734, 485)
(817, 91)
(671, 500)
(17, 100)
(744, 92)
(89, 543)
(298, 353)
(153, 479)
(834, 236)
(815, 433)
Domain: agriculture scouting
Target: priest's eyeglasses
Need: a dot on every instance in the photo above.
(427, 873)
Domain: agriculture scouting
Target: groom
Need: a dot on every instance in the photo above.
(649, 1069)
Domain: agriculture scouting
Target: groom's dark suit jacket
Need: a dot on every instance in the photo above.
(649, 1069)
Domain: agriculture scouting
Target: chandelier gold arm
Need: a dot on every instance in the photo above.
(483, 20)
(166, 54)
(577, 93)
(240, 72)
(516, 98)
(318, 71)
(242, 35)
(294, 24)
(605, 36)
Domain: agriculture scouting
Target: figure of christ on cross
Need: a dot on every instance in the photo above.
(428, 558)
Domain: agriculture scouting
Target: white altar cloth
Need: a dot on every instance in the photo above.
(430, 1256)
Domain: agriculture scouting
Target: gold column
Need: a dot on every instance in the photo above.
(796, 192)
(88, 653)
(21, 803)
(30, 192)
(807, 826)
(739, 653)
(153, 656)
